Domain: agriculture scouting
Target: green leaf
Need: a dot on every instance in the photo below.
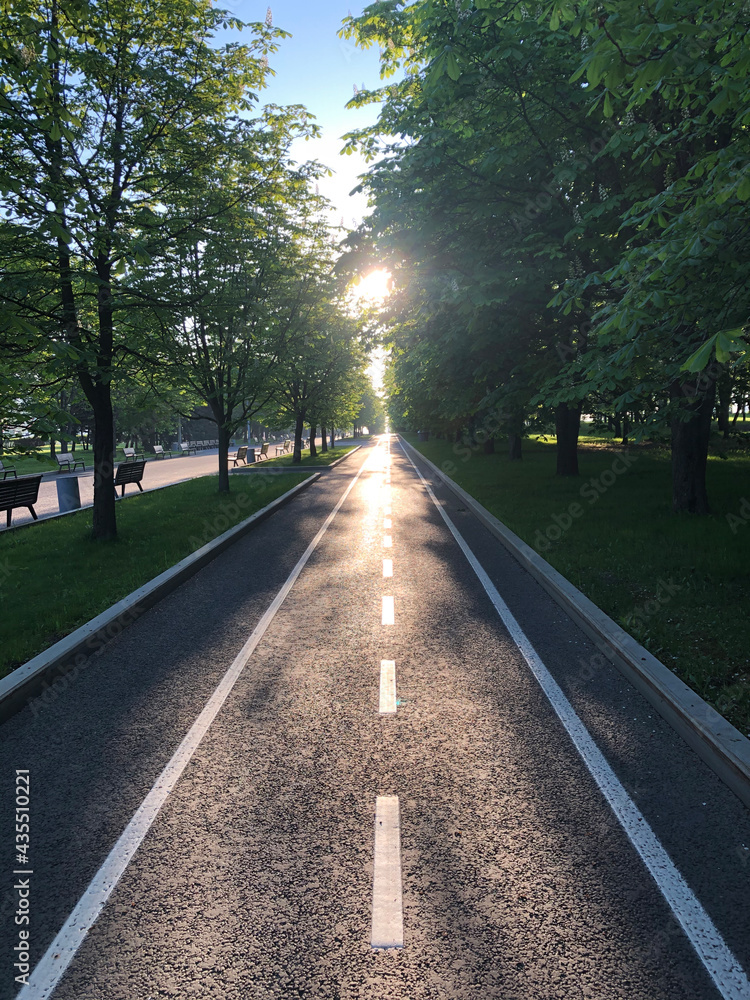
(700, 358)
(451, 65)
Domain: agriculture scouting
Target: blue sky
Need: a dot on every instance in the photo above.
(320, 70)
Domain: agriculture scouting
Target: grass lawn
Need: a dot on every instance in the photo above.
(53, 577)
(620, 539)
(322, 458)
(32, 463)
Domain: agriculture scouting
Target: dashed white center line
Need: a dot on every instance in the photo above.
(387, 523)
(387, 509)
(387, 541)
(387, 911)
(388, 611)
(387, 687)
(387, 567)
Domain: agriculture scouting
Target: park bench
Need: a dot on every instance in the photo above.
(6, 471)
(70, 461)
(241, 455)
(130, 472)
(132, 455)
(187, 448)
(160, 453)
(22, 491)
(263, 453)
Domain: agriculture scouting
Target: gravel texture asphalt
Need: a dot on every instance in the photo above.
(255, 880)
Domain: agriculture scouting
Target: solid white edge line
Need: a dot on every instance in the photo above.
(726, 972)
(388, 611)
(387, 912)
(52, 965)
(387, 687)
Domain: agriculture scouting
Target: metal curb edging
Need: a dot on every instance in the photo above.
(717, 742)
(41, 672)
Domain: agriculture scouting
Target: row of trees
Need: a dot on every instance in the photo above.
(154, 230)
(562, 193)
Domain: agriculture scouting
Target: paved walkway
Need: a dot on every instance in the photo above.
(159, 472)
(227, 792)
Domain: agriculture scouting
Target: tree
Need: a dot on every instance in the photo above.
(323, 375)
(248, 273)
(107, 112)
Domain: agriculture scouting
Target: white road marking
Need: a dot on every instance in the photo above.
(387, 541)
(724, 969)
(387, 912)
(387, 523)
(387, 509)
(388, 611)
(71, 935)
(387, 687)
(387, 567)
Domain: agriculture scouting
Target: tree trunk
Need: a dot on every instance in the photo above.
(567, 426)
(514, 447)
(223, 457)
(690, 445)
(104, 519)
(323, 438)
(299, 427)
(489, 446)
(313, 449)
(333, 437)
(52, 450)
(724, 386)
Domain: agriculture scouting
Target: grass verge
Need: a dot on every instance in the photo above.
(53, 577)
(322, 458)
(678, 583)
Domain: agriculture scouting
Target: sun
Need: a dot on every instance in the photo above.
(373, 287)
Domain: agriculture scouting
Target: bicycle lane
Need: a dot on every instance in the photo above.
(256, 878)
(94, 748)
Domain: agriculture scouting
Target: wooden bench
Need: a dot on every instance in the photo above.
(22, 491)
(263, 453)
(7, 471)
(160, 453)
(185, 449)
(132, 455)
(130, 472)
(70, 461)
(241, 455)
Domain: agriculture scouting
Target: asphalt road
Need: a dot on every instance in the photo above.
(255, 878)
